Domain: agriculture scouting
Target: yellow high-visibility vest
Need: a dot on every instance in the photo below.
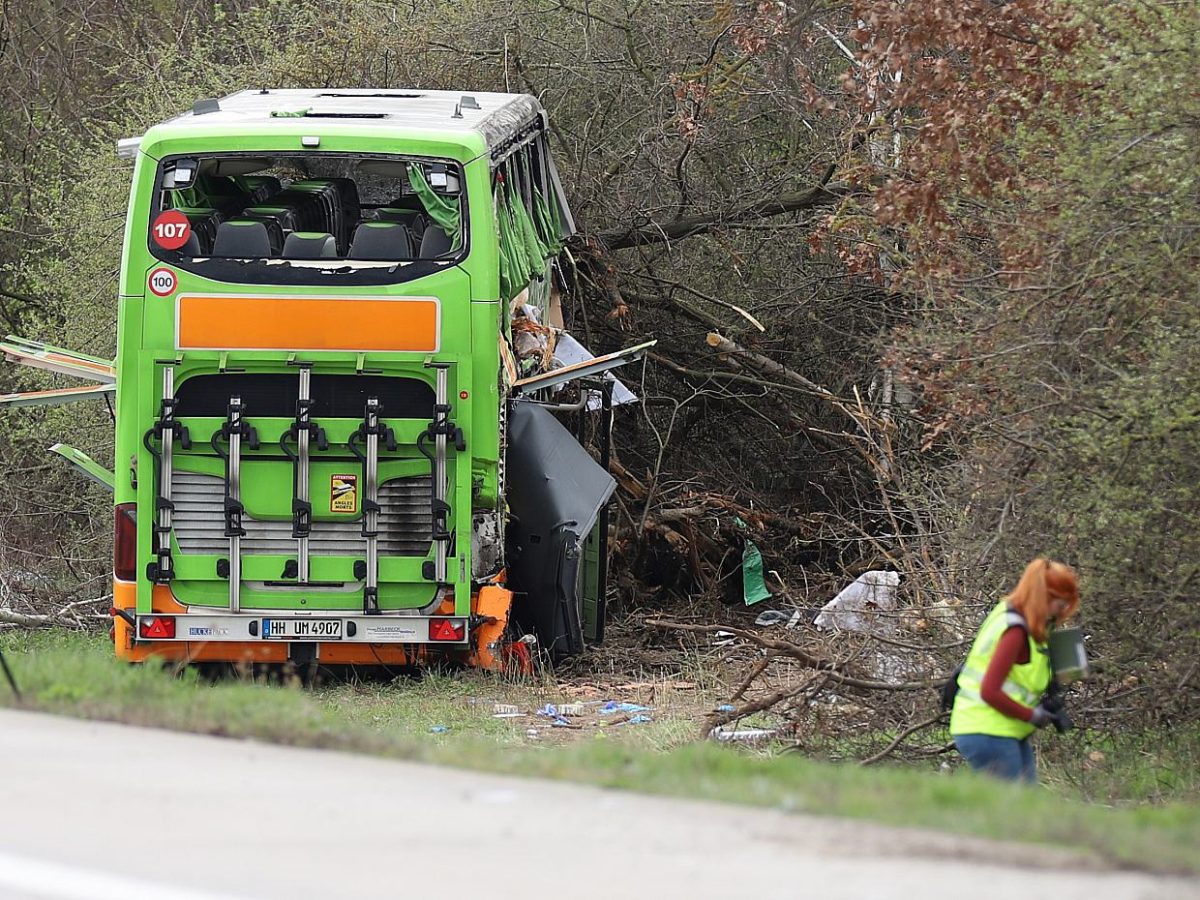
(1025, 684)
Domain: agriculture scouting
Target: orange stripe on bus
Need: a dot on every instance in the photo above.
(307, 323)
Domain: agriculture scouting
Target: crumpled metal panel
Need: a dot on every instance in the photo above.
(502, 124)
(555, 493)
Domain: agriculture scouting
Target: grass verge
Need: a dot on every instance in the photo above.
(76, 675)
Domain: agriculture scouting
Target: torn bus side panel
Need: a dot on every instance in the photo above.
(555, 494)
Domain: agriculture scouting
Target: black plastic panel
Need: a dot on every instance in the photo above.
(334, 396)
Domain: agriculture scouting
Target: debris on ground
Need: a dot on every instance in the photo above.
(743, 735)
(612, 706)
(857, 606)
(786, 618)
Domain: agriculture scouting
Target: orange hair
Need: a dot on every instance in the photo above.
(1043, 580)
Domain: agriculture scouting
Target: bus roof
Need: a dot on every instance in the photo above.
(449, 115)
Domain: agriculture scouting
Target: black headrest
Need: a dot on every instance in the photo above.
(434, 242)
(381, 240)
(414, 219)
(191, 247)
(242, 239)
(310, 245)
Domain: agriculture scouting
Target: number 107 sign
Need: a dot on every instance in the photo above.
(171, 229)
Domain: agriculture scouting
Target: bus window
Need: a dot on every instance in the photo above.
(317, 217)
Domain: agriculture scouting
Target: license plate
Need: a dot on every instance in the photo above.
(302, 629)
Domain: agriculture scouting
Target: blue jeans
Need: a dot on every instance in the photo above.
(1004, 757)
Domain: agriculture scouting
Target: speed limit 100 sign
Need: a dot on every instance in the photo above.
(162, 282)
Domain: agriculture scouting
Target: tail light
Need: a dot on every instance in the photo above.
(125, 542)
(161, 627)
(447, 629)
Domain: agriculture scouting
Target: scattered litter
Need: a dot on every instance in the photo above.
(781, 617)
(571, 709)
(858, 605)
(754, 589)
(550, 711)
(506, 711)
(639, 720)
(725, 707)
(743, 735)
(588, 689)
(560, 722)
(531, 733)
(439, 729)
(612, 706)
(724, 639)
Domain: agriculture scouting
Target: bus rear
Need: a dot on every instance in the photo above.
(310, 389)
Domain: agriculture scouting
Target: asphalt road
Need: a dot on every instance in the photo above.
(98, 811)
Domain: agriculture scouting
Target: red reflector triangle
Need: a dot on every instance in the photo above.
(444, 630)
(157, 628)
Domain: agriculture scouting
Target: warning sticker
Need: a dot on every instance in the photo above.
(171, 229)
(343, 493)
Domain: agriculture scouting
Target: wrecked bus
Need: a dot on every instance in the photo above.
(336, 330)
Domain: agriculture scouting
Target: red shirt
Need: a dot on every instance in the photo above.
(1012, 649)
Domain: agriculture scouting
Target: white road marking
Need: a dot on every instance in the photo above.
(46, 879)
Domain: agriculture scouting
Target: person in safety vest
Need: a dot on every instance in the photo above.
(999, 700)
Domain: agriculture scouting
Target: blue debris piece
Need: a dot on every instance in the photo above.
(725, 707)
(550, 711)
(439, 729)
(612, 706)
(638, 720)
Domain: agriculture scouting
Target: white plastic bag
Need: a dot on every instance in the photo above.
(858, 605)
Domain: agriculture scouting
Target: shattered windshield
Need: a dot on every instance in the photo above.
(319, 216)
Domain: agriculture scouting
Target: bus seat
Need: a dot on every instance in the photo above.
(259, 187)
(243, 239)
(413, 218)
(310, 245)
(381, 240)
(288, 217)
(341, 196)
(191, 247)
(434, 242)
(204, 224)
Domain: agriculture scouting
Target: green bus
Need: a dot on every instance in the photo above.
(339, 344)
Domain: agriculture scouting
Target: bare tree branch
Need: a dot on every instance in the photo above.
(823, 194)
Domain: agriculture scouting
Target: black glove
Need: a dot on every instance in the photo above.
(1042, 717)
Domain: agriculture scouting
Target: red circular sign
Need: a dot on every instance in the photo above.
(162, 282)
(171, 229)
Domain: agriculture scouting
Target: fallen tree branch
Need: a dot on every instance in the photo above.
(66, 615)
(900, 737)
(822, 194)
(765, 364)
(793, 651)
(28, 621)
(717, 719)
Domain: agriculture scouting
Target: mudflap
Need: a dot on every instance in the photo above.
(555, 494)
